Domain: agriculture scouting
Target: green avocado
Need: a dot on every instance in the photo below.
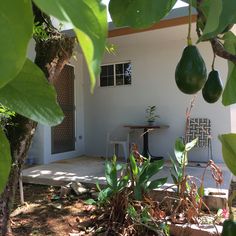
(190, 73)
(213, 87)
(229, 228)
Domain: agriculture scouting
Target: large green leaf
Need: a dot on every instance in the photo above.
(228, 142)
(16, 23)
(179, 150)
(111, 174)
(212, 16)
(152, 169)
(5, 160)
(139, 13)
(30, 95)
(89, 19)
(229, 93)
(133, 165)
(156, 183)
(221, 15)
(190, 145)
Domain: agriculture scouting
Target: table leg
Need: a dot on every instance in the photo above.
(145, 152)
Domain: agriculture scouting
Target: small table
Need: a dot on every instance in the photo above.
(146, 129)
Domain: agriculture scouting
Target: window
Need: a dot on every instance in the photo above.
(115, 74)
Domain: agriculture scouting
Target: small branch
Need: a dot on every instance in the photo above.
(219, 50)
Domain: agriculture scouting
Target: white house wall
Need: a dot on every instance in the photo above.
(154, 56)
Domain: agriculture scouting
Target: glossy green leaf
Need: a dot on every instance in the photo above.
(90, 201)
(104, 195)
(201, 191)
(221, 15)
(152, 169)
(190, 145)
(156, 183)
(228, 142)
(133, 164)
(111, 175)
(174, 167)
(229, 93)
(215, 8)
(5, 160)
(30, 95)
(89, 19)
(132, 212)
(179, 150)
(139, 13)
(122, 183)
(16, 23)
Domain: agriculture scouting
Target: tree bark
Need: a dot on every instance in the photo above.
(51, 56)
(20, 139)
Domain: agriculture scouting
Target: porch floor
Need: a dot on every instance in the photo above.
(90, 170)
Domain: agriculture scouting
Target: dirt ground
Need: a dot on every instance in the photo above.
(45, 213)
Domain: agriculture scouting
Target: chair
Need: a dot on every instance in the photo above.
(117, 141)
(200, 128)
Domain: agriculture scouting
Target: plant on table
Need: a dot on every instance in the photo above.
(151, 114)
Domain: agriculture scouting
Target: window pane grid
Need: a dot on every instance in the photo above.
(115, 74)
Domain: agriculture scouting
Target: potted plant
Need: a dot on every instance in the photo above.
(151, 114)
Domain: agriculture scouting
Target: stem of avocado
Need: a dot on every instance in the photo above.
(213, 62)
(189, 40)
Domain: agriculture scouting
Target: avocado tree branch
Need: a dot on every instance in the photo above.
(216, 45)
(219, 50)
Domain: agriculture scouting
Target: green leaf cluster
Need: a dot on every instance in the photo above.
(142, 176)
(181, 156)
(115, 182)
(139, 13)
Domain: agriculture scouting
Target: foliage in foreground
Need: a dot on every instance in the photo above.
(130, 206)
(126, 199)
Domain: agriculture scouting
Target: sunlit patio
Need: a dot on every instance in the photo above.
(90, 170)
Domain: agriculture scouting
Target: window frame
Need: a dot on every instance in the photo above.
(114, 74)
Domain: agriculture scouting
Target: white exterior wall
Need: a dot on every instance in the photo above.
(154, 56)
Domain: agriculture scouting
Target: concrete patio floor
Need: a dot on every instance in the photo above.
(89, 170)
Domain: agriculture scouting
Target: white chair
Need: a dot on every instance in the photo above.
(116, 142)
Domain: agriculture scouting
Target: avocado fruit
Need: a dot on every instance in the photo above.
(190, 73)
(213, 87)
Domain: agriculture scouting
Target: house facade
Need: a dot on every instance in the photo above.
(119, 98)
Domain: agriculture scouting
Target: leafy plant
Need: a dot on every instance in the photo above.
(181, 155)
(115, 183)
(5, 116)
(151, 113)
(39, 31)
(141, 176)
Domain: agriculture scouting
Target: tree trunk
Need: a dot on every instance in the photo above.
(59, 49)
(20, 139)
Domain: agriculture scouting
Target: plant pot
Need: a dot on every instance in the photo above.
(151, 123)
